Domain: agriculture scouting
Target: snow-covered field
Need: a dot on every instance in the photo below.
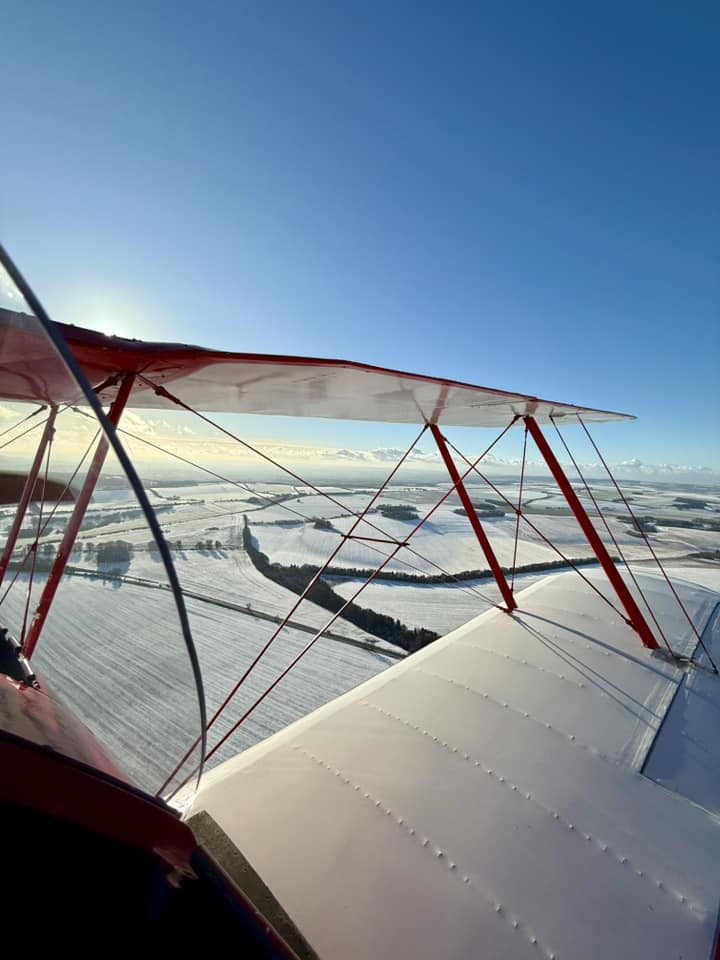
(114, 649)
(445, 542)
(229, 575)
(286, 532)
(115, 654)
(439, 607)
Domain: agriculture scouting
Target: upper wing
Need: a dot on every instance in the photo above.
(211, 380)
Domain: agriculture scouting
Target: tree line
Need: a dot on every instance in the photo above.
(297, 578)
(402, 576)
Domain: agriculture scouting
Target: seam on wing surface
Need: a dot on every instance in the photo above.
(524, 662)
(588, 840)
(503, 704)
(591, 684)
(439, 855)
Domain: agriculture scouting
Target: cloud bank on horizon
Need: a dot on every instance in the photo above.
(628, 469)
(178, 438)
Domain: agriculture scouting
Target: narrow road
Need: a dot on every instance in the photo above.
(237, 608)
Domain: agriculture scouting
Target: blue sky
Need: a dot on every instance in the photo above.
(521, 195)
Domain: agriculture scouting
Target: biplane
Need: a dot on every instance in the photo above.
(542, 781)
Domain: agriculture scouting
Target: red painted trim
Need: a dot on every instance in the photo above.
(635, 617)
(28, 491)
(71, 531)
(52, 784)
(133, 356)
(33, 714)
(177, 360)
(474, 520)
(55, 767)
(75, 795)
(165, 363)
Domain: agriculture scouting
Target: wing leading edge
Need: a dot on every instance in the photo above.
(216, 381)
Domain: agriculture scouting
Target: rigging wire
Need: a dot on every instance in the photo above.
(549, 542)
(50, 517)
(645, 537)
(24, 420)
(453, 580)
(240, 484)
(36, 426)
(327, 626)
(163, 392)
(610, 533)
(316, 578)
(305, 593)
(37, 540)
(256, 703)
(519, 511)
(24, 433)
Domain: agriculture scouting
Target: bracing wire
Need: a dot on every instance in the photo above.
(36, 544)
(346, 604)
(519, 510)
(645, 537)
(24, 420)
(50, 516)
(611, 535)
(545, 539)
(455, 581)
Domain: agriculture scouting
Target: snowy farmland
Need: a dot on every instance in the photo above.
(439, 607)
(230, 576)
(115, 654)
(445, 542)
(114, 650)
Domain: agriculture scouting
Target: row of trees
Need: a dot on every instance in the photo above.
(208, 545)
(398, 511)
(402, 576)
(483, 508)
(650, 524)
(297, 578)
(114, 551)
(177, 545)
